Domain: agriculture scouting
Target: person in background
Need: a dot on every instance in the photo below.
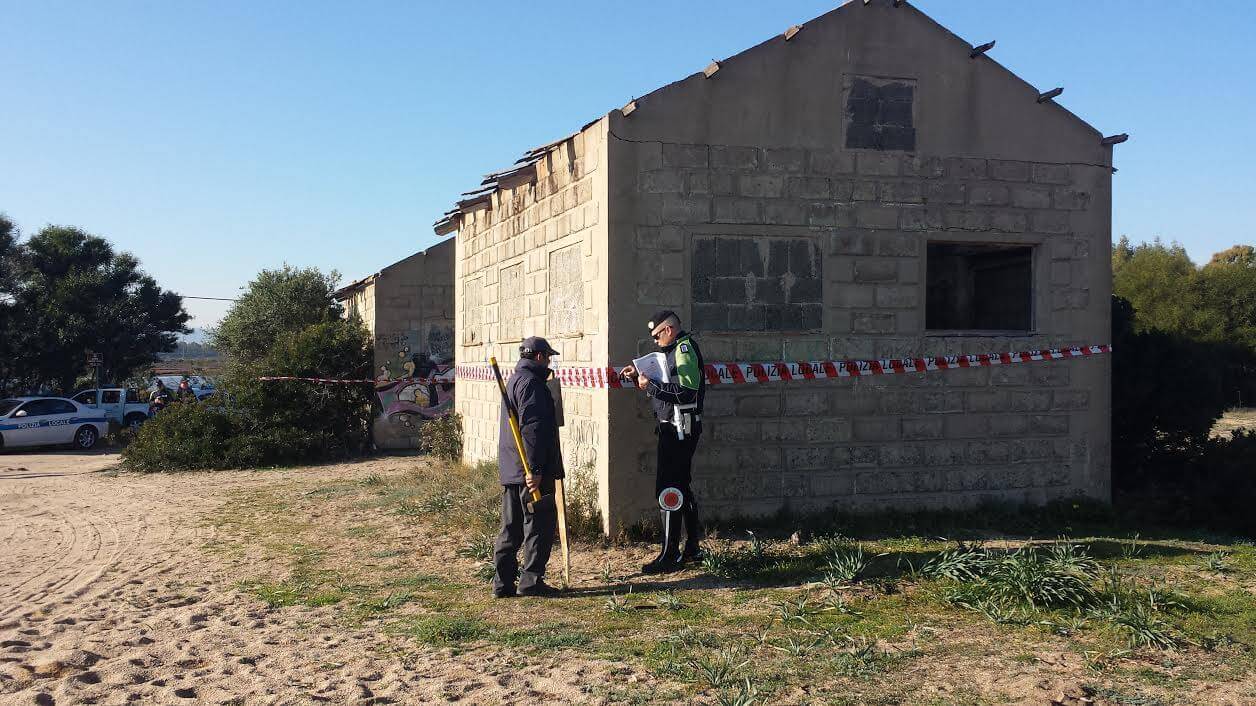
(158, 398)
(185, 393)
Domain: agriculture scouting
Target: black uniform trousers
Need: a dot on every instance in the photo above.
(533, 531)
(675, 470)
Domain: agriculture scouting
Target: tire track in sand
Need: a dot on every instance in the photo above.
(108, 598)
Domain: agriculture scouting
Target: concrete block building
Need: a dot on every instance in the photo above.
(408, 307)
(865, 185)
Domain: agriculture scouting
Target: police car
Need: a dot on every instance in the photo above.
(48, 421)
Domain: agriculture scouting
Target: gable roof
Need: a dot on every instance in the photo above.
(524, 168)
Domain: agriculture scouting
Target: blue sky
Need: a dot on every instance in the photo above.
(216, 139)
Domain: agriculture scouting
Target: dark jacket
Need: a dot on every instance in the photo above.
(685, 367)
(535, 406)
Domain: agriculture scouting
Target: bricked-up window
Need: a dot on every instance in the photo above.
(979, 287)
(566, 292)
(879, 114)
(511, 301)
(472, 316)
(757, 284)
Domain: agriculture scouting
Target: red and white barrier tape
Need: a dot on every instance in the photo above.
(342, 381)
(746, 373)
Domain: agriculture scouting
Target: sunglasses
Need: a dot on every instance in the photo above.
(656, 335)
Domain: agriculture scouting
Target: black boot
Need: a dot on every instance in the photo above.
(669, 556)
(693, 533)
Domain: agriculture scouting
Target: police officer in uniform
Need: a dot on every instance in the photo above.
(677, 406)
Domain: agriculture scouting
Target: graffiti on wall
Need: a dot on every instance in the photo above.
(413, 381)
(407, 402)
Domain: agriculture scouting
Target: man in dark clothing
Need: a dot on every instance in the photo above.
(533, 530)
(677, 408)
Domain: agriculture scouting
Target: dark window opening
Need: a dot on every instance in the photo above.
(979, 287)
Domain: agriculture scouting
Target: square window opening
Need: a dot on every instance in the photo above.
(979, 287)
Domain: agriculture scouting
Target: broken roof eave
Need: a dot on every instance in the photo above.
(353, 287)
(517, 174)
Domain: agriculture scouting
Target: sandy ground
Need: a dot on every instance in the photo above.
(107, 598)
(1234, 419)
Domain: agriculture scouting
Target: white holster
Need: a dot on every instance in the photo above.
(683, 417)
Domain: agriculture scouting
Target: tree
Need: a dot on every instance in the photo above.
(1229, 286)
(285, 324)
(276, 303)
(70, 293)
(8, 265)
(8, 283)
(1244, 255)
(1165, 289)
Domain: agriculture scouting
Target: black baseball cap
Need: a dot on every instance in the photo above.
(660, 316)
(536, 344)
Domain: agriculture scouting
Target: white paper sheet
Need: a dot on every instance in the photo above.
(653, 366)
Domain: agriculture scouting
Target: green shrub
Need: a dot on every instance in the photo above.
(270, 423)
(182, 437)
(442, 437)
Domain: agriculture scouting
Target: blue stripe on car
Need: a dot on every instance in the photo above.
(48, 423)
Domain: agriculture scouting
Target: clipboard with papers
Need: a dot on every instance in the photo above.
(653, 366)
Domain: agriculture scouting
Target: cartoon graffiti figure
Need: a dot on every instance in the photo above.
(425, 397)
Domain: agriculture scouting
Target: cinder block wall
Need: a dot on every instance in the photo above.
(533, 261)
(361, 303)
(409, 309)
(750, 171)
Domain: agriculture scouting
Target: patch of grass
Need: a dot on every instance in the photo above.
(862, 658)
(331, 490)
(1136, 613)
(485, 571)
(1132, 548)
(293, 592)
(616, 603)
(306, 584)
(386, 603)
(719, 669)
(964, 563)
(744, 694)
(798, 611)
(362, 531)
(430, 581)
(443, 630)
(550, 636)
(1218, 562)
(668, 600)
(846, 565)
(1060, 577)
(478, 546)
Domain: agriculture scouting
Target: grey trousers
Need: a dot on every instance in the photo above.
(533, 531)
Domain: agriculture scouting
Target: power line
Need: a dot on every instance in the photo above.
(215, 299)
